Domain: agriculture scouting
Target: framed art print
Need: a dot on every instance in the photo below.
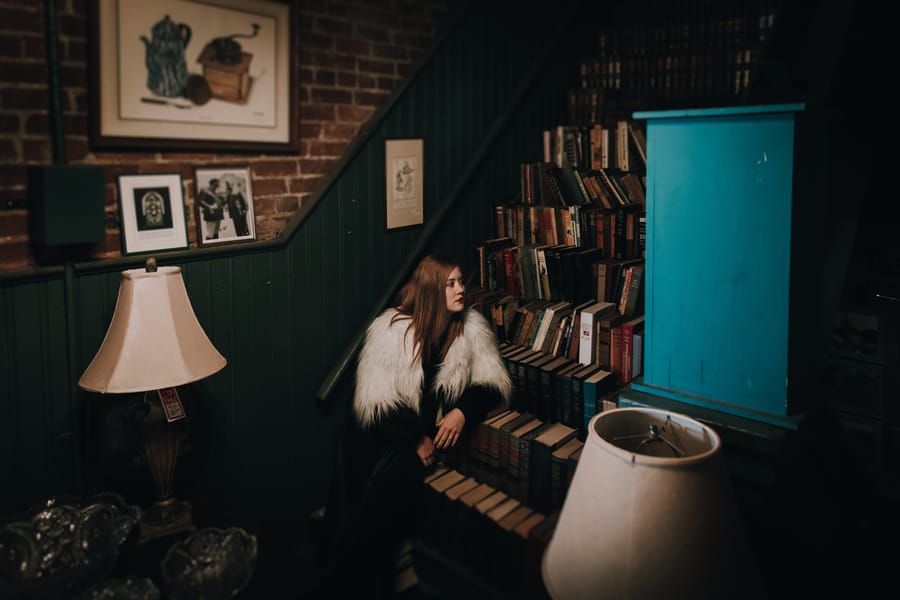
(151, 209)
(404, 183)
(193, 74)
(224, 205)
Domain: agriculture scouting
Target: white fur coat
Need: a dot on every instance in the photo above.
(386, 378)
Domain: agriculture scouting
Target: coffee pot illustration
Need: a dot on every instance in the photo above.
(167, 71)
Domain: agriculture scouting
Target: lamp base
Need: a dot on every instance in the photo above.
(165, 518)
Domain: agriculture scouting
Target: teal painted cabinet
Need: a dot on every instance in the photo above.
(720, 185)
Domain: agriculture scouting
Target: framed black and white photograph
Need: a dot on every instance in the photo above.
(151, 209)
(199, 74)
(224, 205)
(404, 182)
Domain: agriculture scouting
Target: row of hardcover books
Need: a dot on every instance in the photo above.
(584, 333)
(711, 57)
(557, 273)
(559, 389)
(562, 273)
(620, 233)
(522, 455)
(545, 184)
(619, 144)
(501, 537)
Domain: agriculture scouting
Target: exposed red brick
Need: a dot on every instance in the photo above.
(370, 98)
(389, 52)
(288, 203)
(345, 79)
(11, 175)
(315, 166)
(24, 99)
(8, 150)
(378, 67)
(314, 41)
(76, 51)
(317, 112)
(270, 168)
(326, 95)
(264, 205)
(23, 19)
(34, 47)
(14, 198)
(36, 150)
(9, 123)
(76, 148)
(323, 148)
(353, 47)
(325, 77)
(73, 77)
(331, 60)
(13, 222)
(10, 48)
(37, 123)
(333, 27)
(22, 72)
(388, 83)
(14, 252)
(304, 184)
(372, 34)
(339, 131)
(356, 114)
(262, 187)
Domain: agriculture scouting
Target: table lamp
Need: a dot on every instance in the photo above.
(650, 513)
(154, 344)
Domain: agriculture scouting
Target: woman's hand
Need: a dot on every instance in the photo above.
(449, 429)
(425, 450)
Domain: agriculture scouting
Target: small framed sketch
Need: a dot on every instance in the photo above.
(224, 205)
(152, 213)
(404, 183)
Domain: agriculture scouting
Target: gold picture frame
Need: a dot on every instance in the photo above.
(191, 74)
(404, 175)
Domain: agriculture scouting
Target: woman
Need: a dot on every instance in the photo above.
(428, 372)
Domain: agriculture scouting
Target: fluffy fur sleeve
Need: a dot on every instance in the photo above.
(386, 379)
(474, 360)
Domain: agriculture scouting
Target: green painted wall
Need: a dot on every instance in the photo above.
(283, 313)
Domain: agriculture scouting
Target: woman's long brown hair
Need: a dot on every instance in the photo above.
(423, 301)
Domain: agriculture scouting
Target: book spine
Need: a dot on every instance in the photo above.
(539, 477)
(546, 402)
(627, 361)
(558, 468)
(626, 289)
(635, 283)
(589, 402)
(524, 471)
(615, 352)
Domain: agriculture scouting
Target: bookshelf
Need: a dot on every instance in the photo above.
(566, 204)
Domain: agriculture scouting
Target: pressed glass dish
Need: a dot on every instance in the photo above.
(63, 546)
(210, 564)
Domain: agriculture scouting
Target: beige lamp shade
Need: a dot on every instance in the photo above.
(154, 340)
(644, 520)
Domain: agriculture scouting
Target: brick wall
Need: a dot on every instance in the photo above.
(352, 55)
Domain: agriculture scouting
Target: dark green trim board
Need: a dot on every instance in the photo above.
(287, 312)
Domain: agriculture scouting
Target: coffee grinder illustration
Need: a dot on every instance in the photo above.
(226, 67)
